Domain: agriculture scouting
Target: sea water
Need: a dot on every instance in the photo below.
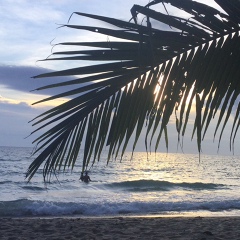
(156, 184)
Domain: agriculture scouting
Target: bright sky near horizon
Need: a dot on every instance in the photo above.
(26, 29)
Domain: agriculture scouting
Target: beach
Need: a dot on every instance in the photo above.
(121, 228)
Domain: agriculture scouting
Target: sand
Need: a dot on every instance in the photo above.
(121, 228)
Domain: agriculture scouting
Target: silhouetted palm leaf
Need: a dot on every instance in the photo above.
(147, 74)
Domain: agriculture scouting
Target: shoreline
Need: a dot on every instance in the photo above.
(127, 227)
(170, 214)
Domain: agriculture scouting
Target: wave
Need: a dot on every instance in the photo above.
(34, 188)
(155, 185)
(5, 182)
(30, 208)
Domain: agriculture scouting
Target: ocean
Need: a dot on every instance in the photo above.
(144, 185)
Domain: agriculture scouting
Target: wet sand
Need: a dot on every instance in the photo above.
(202, 228)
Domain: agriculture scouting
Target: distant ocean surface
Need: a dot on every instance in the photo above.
(160, 184)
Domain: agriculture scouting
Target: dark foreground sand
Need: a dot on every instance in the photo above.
(121, 228)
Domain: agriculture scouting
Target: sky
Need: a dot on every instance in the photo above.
(27, 30)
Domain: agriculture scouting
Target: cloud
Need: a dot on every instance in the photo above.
(27, 27)
(32, 11)
(19, 78)
(14, 120)
(15, 102)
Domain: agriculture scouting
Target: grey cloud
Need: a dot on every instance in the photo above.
(20, 78)
(14, 126)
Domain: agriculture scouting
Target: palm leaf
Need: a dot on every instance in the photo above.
(140, 79)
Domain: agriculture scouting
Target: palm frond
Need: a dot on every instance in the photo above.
(143, 77)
